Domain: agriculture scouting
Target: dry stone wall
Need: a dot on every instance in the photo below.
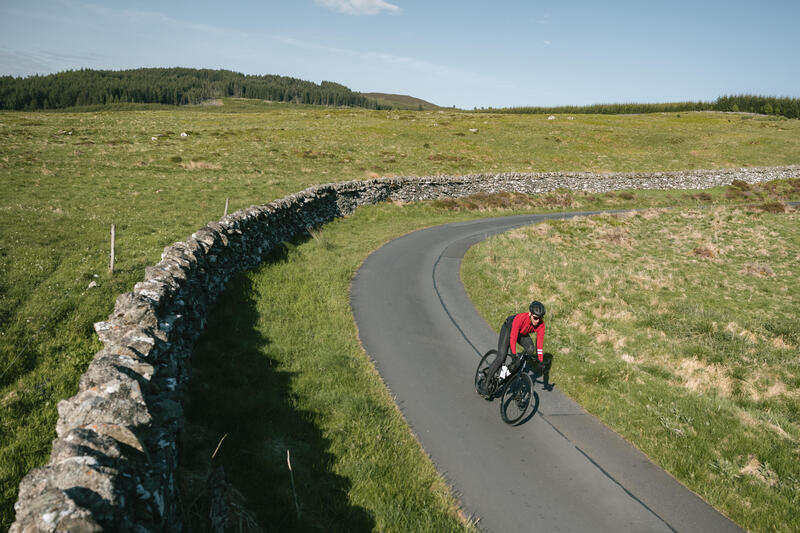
(113, 465)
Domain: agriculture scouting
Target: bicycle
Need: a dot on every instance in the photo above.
(515, 389)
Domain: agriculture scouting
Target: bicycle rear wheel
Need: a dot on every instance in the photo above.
(483, 366)
(516, 398)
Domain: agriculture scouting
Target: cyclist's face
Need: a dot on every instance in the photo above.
(535, 319)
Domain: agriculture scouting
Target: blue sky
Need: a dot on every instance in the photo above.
(473, 53)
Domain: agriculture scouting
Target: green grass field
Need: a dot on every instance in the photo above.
(679, 330)
(68, 176)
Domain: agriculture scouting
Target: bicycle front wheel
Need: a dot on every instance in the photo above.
(516, 398)
(483, 366)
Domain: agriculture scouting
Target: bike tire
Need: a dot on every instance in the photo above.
(516, 398)
(483, 365)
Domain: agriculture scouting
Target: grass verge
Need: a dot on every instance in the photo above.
(677, 329)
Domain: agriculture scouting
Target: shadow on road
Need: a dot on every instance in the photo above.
(538, 377)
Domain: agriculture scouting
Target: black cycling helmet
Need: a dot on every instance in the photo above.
(537, 308)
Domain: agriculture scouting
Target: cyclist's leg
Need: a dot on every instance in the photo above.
(527, 345)
(502, 348)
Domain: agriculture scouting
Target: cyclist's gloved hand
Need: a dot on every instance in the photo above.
(515, 363)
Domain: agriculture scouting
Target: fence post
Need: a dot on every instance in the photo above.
(113, 244)
(226, 208)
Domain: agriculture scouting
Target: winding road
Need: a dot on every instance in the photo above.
(561, 470)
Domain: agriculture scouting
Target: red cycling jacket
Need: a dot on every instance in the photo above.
(522, 326)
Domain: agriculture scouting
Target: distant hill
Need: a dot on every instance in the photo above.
(400, 101)
(170, 86)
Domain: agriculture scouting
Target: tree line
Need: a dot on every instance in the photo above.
(745, 103)
(169, 86)
(182, 86)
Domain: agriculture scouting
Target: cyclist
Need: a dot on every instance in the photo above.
(518, 329)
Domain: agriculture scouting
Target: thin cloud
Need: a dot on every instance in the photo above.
(148, 28)
(545, 19)
(30, 62)
(148, 19)
(382, 60)
(386, 59)
(359, 7)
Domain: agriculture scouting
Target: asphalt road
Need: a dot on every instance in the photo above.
(560, 470)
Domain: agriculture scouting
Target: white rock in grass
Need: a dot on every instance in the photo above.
(184, 134)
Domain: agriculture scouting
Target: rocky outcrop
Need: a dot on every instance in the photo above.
(114, 463)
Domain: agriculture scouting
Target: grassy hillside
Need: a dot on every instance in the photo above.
(678, 329)
(401, 101)
(68, 176)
